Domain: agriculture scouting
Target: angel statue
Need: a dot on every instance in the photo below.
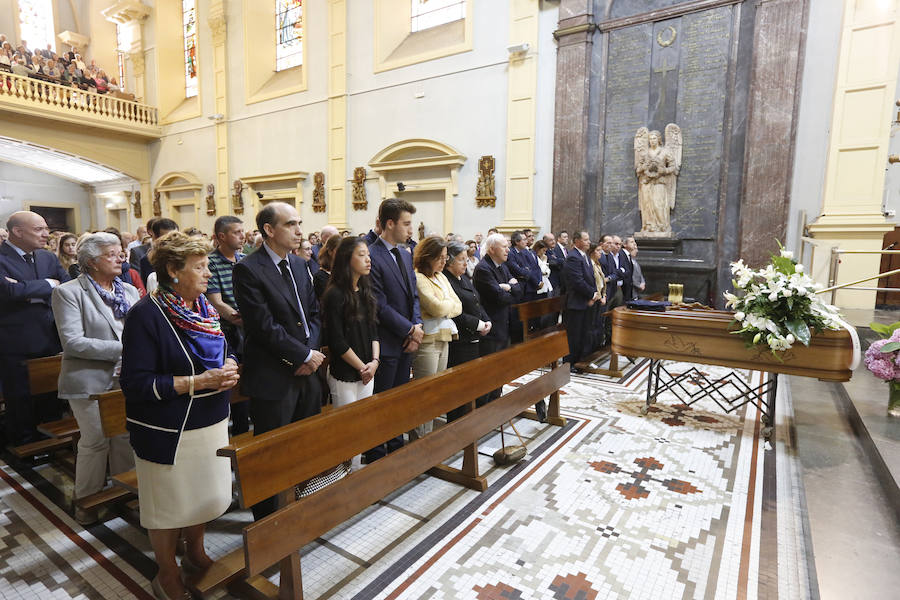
(657, 168)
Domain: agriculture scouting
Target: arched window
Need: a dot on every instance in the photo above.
(288, 34)
(36, 23)
(431, 13)
(189, 24)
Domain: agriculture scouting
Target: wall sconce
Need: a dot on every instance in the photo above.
(518, 49)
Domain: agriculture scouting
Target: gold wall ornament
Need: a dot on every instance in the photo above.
(671, 39)
(136, 205)
(421, 230)
(157, 207)
(318, 203)
(484, 189)
(210, 199)
(237, 200)
(360, 202)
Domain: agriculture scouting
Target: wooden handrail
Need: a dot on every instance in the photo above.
(282, 458)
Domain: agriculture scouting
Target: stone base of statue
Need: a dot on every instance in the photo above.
(486, 201)
(654, 235)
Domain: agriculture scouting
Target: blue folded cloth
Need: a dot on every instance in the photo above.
(653, 305)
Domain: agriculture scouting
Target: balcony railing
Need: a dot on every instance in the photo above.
(69, 103)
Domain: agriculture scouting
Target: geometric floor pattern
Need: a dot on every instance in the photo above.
(686, 502)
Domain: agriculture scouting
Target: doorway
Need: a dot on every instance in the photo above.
(429, 211)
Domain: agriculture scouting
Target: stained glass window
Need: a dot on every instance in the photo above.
(120, 55)
(431, 13)
(36, 23)
(189, 24)
(288, 34)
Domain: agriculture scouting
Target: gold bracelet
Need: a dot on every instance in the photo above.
(191, 386)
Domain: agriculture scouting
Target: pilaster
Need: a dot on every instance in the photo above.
(575, 175)
(218, 26)
(776, 75)
(518, 201)
(336, 179)
(852, 216)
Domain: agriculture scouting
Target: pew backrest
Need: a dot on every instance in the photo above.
(273, 462)
(43, 374)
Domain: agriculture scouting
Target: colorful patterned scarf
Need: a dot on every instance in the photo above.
(116, 299)
(204, 319)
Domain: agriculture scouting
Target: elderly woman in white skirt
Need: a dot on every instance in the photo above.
(90, 315)
(176, 373)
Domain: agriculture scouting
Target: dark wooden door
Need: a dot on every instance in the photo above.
(889, 262)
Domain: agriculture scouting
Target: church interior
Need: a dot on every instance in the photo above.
(693, 451)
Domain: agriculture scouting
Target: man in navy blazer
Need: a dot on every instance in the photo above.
(498, 290)
(28, 275)
(399, 319)
(556, 258)
(580, 297)
(282, 326)
(618, 277)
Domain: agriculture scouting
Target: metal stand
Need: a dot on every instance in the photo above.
(762, 396)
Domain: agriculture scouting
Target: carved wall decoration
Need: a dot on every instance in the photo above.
(484, 189)
(237, 199)
(210, 199)
(360, 202)
(157, 207)
(136, 205)
(421, 231)
(318, 203)
(657, 167)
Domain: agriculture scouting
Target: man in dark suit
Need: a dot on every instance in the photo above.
(623, 260)
(399, 319)
(556, 258)
(28, 275)
(498, 290)
(524, 267)
(580, 297)
(281, 323)
(140, 250)
(617, 274)
(159, 228)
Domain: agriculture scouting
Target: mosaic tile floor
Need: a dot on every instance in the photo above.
(682, 503)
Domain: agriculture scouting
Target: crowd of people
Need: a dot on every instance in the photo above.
(68, 68)
(180, 318)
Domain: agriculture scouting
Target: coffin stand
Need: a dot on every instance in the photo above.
(705, 337)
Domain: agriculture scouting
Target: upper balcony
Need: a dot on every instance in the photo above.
(26, 95)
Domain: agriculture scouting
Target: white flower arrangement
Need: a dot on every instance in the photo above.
(777, 305)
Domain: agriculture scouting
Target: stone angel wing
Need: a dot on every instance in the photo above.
(641, 148)
(673, 148)
(673, 143)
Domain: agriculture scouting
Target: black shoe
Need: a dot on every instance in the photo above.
(574, 370)
(541, 409)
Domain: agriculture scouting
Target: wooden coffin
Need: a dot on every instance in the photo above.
(704, 336)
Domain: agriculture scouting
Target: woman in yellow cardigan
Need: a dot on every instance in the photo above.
(439, 304)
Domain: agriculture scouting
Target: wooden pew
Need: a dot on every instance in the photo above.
(43, 378)
(533, 310)
(112, 421)
(274, 462)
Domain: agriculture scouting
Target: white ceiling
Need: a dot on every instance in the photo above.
(61, 164)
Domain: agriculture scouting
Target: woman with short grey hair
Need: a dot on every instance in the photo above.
(90, 315)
